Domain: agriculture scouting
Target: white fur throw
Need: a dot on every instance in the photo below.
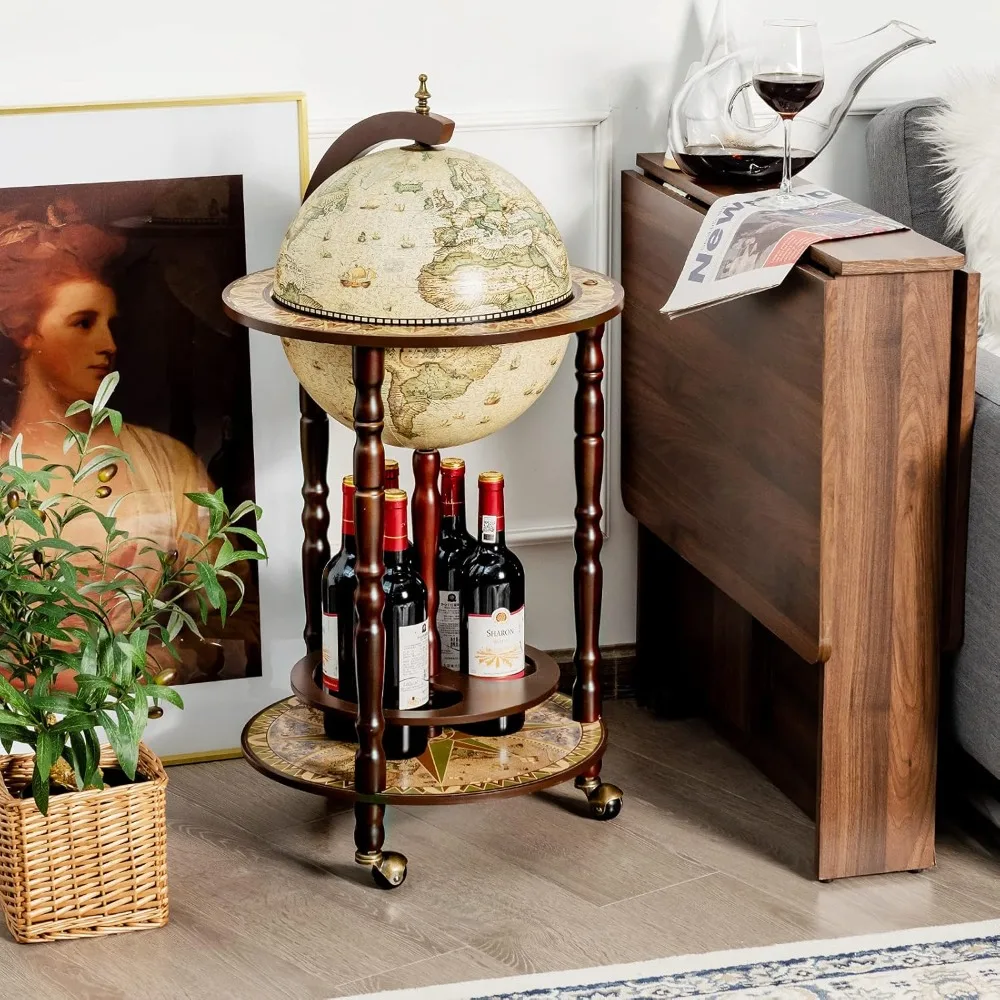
(967, 142)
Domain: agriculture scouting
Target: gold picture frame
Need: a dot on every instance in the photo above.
(214, 742)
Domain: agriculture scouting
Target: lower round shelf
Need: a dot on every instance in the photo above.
(466, 699)
(286, 742)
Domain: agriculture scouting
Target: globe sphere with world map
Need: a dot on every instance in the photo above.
(416, 236)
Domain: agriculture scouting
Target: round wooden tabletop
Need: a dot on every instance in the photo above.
(472, 699)
(596, 299)
(286, 742)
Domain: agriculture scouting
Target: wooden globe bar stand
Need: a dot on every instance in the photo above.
(362, 775)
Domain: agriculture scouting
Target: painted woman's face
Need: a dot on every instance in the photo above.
(72, 347)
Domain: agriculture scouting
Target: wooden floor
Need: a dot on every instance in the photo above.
(266, 900)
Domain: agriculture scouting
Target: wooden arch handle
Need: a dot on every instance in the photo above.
(431, 130)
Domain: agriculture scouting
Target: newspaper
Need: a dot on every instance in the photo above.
(742, 249)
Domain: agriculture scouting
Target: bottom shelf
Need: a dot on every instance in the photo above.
(286, 742)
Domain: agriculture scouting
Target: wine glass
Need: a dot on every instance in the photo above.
(788, 76)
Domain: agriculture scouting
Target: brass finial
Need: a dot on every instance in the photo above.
(422, 108)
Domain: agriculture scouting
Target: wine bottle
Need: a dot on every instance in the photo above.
(407, 682)
(390, 480)
(455, 545)
(339, 585)
(492, 605)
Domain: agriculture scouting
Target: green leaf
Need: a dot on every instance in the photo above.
(92, 777)
(140, 714)
(10, 719)
(222, 558)
(48, 748)
(211, 501)
(40, 789)
(166, 693)
(238, 583)
(88, 657)
(121, 736)
(15, 456)
(108, 456)
(75, 723)
(30, 518)
(245, 508)
(237, 529)
(213, 589)
(14, 734)
(12, 697)
(104, 391)
(79, 406)
(115, 419)
(93, 689)
(76, 755)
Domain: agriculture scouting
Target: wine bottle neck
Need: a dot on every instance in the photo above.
(396, 538)
(394, 559)
(454, 524)
(347, 543)
(491, 518)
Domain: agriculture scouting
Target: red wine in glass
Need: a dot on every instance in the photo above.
(788, 93)
(788, 77)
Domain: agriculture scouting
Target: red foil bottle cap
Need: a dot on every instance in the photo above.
(391, 477)
(396, 539)
(491, 498)
(452, 485)
(347, 511)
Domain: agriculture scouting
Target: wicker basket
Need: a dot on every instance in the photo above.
(97, 864)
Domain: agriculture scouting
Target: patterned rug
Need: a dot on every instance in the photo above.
(951, 963)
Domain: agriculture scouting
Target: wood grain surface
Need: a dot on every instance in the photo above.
(706, 854)
(886, 253)
(429, 129)
(722, 422)
(476, 699)
(588, 576)
(886, 389)
(369, 602)
(314, 443)
(596, 299)
(961, 413)
(792, 448)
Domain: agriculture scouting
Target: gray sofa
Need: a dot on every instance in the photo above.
(904, 186)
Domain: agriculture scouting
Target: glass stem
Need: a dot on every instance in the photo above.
(786, 165)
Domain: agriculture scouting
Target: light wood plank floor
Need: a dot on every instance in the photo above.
(266, 901)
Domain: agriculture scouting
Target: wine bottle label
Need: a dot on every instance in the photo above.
(414, 679)
(488, 528)
(449, 626)
(331, 655)
(496, 644)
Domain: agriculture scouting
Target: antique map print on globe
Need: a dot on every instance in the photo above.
(434, 397)
(422, 235)
(418, 236)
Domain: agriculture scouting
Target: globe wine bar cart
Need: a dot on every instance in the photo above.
(563, 738)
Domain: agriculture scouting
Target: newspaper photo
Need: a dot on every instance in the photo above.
(742, 248)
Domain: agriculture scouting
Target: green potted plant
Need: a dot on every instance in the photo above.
(83, 642)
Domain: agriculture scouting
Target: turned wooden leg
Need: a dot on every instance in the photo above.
(369, 634)
(605, 799)
(587, 576)
(314, 441)
(426, 506)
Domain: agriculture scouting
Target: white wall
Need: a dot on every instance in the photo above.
(517, 57)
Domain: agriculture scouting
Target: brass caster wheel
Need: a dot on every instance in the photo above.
(390, 871)
(605, 801)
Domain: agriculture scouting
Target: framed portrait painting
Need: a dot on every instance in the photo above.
(120, 225)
